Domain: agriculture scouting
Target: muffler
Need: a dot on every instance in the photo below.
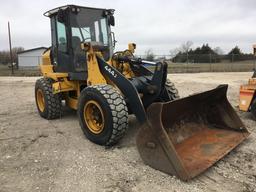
(186, 136)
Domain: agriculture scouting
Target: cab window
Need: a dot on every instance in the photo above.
(62, 37)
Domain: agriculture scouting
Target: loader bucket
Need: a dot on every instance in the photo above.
(186, 136)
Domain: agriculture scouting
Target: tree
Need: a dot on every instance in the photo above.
(181, 53)
(183, 48)
(236, 54)
(186, 46)
(203, 54)
(235, 51)
(5, 55)
(150, 56)
(174, 52)
(206, 49)
(15, 52)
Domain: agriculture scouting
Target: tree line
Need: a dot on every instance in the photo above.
(5, 55)
(202, 54)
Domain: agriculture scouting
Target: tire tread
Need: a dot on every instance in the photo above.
(52, 101)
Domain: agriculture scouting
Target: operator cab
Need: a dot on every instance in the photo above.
(73, 25)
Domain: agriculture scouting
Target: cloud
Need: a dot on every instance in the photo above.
(161, 25)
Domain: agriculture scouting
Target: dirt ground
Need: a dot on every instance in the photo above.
(41, 155)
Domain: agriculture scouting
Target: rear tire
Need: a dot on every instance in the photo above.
(48, 104)
(253, 108)
(103, 115)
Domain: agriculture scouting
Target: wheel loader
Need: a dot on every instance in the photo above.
(247, 96)
(179, 136)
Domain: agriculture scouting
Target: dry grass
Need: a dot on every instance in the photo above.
(6, 71)
(243, 66)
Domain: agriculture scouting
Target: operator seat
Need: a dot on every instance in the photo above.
(79, 55)
(62, 44)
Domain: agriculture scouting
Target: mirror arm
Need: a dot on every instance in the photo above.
(113, 38)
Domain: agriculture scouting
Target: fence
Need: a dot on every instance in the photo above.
(200, 58)
(182, 63)
(189, 63)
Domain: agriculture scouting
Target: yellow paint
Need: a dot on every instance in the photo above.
(123, 67)
(132, 47)
(47, 71)
(72, 102)
(245, 98)
(46, 58)
(94, 75)
(40, 100)
(64, 85)
(46, 68)
(61, 84)
(252, 82)
(94, 117)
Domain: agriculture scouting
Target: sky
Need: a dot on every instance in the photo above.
(160, 25)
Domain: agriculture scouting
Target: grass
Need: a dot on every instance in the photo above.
(242, 66)
(6, 71)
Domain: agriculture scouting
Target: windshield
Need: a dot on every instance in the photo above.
(89, 25)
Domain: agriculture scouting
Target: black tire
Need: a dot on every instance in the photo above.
(114, 111)
(171, 92)
(253, 108)
(52, 102)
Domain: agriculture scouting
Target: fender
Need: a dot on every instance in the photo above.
(126, 87)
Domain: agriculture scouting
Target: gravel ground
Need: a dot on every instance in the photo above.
(41, 155)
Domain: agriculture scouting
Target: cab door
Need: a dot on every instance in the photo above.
(61, 54)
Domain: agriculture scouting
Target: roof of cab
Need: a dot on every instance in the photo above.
(55, 10)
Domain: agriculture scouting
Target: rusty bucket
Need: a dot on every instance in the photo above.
(186, 136)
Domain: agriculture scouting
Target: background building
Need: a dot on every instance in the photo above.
(30, 57)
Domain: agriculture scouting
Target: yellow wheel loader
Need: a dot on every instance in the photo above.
(247, 96)
(181, 137)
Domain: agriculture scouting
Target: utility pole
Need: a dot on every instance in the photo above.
(10, 45)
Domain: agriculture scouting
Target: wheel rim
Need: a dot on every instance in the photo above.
(93, 116)
(40, 100)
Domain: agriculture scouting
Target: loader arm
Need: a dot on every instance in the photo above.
(126, 87)
(129, 90)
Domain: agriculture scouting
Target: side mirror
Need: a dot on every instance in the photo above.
(111, 20)
(61, 16)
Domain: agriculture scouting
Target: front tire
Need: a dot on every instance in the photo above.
(171, 92)
(103, 115)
